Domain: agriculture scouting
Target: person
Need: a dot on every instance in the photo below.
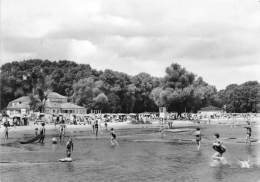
(62, 130)
(93, 125)
(248, 133)
(69, 147)
(96, 128)
(198, 138)
(42, 133)
(113, 137)
(106, 124)
(36, 131)
(6, 129)
(218, 147)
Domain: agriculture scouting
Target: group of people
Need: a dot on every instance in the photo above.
(95, 127)
(218, 144)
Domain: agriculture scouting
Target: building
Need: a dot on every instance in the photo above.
(210, 110)
(55, 104)
(58, 104)
(19, 106)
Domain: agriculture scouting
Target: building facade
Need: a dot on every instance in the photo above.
(55, 104)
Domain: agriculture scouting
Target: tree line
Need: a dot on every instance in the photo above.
(110, 91)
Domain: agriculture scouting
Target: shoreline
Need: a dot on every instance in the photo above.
(24, 132)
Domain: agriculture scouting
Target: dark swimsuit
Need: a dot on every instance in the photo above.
(198, 138)
(219, 148)
(69, 147)
(249, 131)
(113, 135)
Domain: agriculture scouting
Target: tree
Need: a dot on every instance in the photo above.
(101, 102)
(178, 77)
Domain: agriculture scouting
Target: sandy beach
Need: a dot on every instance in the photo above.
(24, 132)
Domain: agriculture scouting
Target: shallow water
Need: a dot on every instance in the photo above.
(142, 155)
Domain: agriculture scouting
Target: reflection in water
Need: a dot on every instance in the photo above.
(70, 166)
(132, 161)
(218, 172)
(249, 150)
(54, 147)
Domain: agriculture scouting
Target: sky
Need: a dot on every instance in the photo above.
(216, 39)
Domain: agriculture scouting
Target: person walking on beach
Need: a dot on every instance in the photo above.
(69, 147)
(106, 124)
(96, 128)
(36, 131)
(248, 133)
(42, 133)
(218, 147)
(198, 137)
(93, 125)
(6, 129)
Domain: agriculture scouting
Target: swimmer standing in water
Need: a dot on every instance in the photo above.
(69, 147)
(218, 147)
(198, 138)
(248, 133)
(62, 130)
(113, 138)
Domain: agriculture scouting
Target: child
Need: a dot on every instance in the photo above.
(218, 147)
(198, 138)
(113, 137)
(69, 147)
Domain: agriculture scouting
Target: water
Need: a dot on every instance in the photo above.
(142, 156)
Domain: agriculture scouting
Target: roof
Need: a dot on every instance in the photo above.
(67, 105)
(19, 106)
(56, 95)
(22, 99)
(70, 105)
(52, 104)
(210, 108)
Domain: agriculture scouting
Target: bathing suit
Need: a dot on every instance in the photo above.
(198, 138)
(96, 125)
(69, 147)
(113, 135)
(249, 131)
(219, 148)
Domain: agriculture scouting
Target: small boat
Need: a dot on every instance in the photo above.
(31, 140)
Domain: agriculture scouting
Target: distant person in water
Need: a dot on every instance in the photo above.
(218, 147)
(96, 128)
(42, 133)
(113, 137)
(62, 130)
(69, 147)
(197, 134)
(248, 133)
